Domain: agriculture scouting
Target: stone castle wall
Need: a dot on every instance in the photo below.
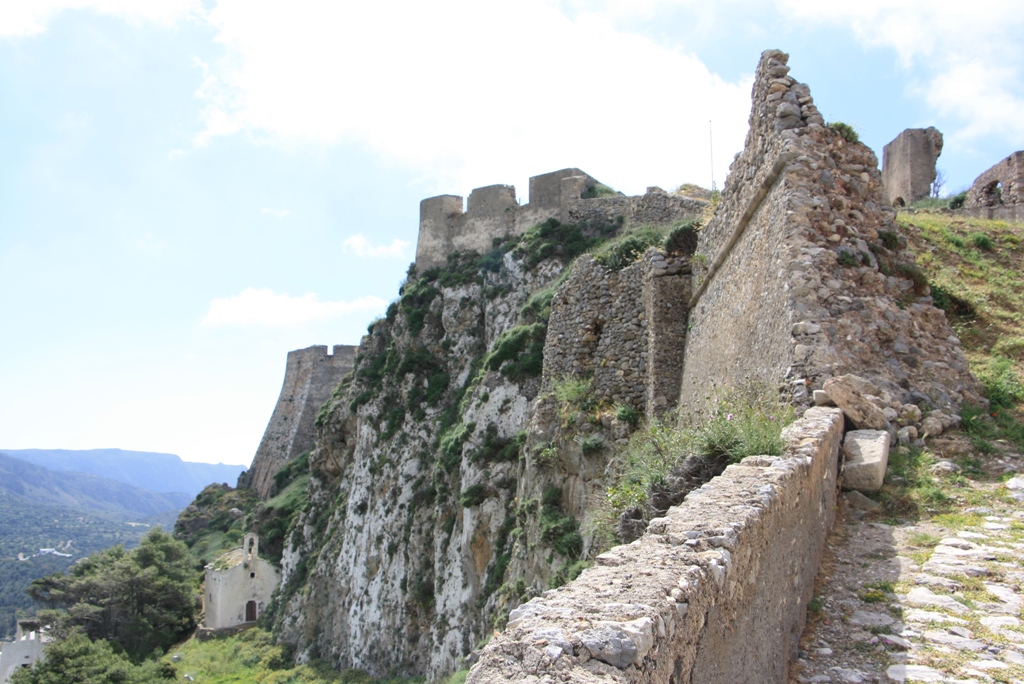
(806, 273)
(908, 165)
(494, 213)
(624, 329)
(999, 192)
(310, 376)
(715, 592)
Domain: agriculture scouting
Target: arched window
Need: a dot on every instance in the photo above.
(250, 611)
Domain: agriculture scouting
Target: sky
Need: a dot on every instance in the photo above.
(189, 189)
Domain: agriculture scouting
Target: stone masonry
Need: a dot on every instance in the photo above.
(802, 275)
(999, 192)
(625, 329)
(310, 376)
(715, 592)
(494, 213)
(908, 165)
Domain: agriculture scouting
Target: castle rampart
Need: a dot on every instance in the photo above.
(446, 226)
(310, 376)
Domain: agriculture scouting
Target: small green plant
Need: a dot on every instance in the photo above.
(816, 606)
(599, 190)
(626, 249)
(952, 304)
(592, 444)
(889, 239)
(557, 527)
(848, 259)
(845, 130)
(473, 495)
(627, 414)
(518, 353)
(572, 391)
(957, 201)
(683, 238)
(1000, 381)
(981, 241)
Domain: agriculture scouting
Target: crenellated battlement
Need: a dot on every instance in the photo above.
(447, 225)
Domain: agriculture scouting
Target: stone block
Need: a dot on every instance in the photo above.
(851, 393)
(865, 457)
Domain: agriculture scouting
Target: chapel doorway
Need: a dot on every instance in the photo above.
(250, 611)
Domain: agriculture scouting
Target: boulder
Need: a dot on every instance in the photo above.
(931, 426)
(854, 396)
(865, 457)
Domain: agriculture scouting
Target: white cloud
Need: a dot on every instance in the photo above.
(473, 91)
(25, 18)
(264, 307)
(276, 213)
(362, 247)
(970, 54)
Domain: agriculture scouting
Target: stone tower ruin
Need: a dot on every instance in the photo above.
(908, 165)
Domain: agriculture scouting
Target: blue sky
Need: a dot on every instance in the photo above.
(190, 189)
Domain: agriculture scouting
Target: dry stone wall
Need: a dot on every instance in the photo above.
(715, 592)
(804, 274)
(310, 376)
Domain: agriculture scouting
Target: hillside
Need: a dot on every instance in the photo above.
(150, 470)
(37, 485)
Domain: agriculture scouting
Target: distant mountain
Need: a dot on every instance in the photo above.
(36, 485)
(149, 470)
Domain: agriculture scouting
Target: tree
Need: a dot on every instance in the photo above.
(140, 600)
(938, 183)
(78, 660)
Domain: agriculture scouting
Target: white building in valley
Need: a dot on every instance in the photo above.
(238, 586)
(24, 651)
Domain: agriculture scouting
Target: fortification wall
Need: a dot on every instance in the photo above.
(715, 592)
(908, 165)
(310, 376)
(805, 274)
(999, 192)
(625, 329)
(493, 213)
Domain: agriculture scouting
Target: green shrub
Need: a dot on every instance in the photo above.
(599, 190)
(557, 527)
(889, 239)
(848, 259)
(518, 353)
(914, 274)
(626, 249)
(592, 444)
(957, 201)
(950, 303)
(451, 444)
(981, 241)
(497, 450)
(683, 238)
(574, 391)
(564, 241)
(472, 496)
(845, 130)
(627, 414)
(415, 302)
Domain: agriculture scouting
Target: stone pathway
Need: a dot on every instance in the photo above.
(936, 601)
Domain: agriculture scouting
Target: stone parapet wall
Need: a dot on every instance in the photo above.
(310, 376)
(715, 592)
(493, 213)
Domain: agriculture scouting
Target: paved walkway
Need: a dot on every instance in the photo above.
(935, 601)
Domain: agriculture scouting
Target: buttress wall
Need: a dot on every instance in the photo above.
(310, 376)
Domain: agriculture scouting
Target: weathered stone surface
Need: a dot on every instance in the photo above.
(908, 165)
(865, 458)
(851, 393)
(999, 192)
(922, 596)
(917, 673)
(721, 605)
(310, 376)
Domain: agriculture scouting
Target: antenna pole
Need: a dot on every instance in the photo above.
(711, 141)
